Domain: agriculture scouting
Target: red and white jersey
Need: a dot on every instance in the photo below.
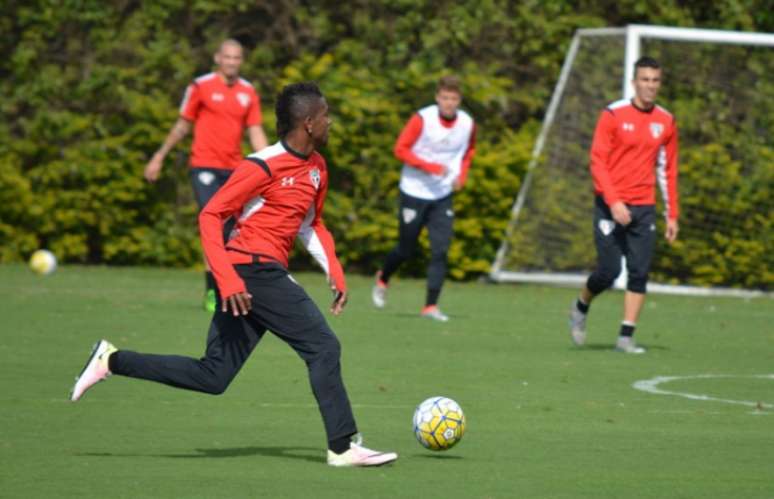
(429, 141)
(631, 148)
(220, 113)
(275, 195)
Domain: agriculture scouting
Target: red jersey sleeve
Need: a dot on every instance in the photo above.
(601, 147)
(319, 241)
(254, 116)
(189, 106)
(468, 158)
(247, 181)
(406, 141)
(671, 149)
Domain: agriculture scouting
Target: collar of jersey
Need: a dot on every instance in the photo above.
(648, 111)
(447, 122)
(292, 151)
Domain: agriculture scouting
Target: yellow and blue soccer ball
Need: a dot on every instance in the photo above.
(43, 262)
(439, 423)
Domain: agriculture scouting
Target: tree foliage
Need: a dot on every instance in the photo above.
(91, 88)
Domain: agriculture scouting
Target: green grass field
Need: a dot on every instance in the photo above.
(544, 419)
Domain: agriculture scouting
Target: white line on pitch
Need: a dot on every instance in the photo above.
(651, 386)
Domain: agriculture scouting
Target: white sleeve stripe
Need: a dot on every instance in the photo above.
(312, 242)
(186, 98)
(315, 248)
(661, 162)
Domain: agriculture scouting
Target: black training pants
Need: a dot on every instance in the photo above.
(280, 305)
(414, 214)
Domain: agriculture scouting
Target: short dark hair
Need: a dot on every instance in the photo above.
(646, 62)
(450, 83)
(294, 103)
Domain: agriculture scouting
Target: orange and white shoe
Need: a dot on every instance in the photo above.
(95, 370)
(433, 312)
(379, 291)
(357, 455)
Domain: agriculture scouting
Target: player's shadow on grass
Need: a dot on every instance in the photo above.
(417, 317)
(440, 457)
(302, 453)
(610, 347)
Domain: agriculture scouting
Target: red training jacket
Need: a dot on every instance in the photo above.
(275, 195)
(631, 147)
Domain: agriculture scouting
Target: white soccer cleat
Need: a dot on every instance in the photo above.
(626, 344)
(357, 455)
(379, 292)
(577, 325)
(95, 370)
(433, 312)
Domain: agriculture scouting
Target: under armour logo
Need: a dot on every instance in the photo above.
(628, 127)
(288, 181)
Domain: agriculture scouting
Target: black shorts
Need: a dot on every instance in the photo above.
(206, 182)
(634, 241)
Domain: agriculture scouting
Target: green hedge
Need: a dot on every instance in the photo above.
(91, 88)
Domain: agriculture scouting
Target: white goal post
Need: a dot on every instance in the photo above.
(544, 216)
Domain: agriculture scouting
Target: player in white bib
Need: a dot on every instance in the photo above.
(436, 147)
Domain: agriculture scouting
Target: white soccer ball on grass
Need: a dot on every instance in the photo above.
(439, 423)
(43, 262)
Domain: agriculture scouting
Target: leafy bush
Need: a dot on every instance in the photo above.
(91, 88)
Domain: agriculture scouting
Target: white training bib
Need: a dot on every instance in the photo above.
(437, 144)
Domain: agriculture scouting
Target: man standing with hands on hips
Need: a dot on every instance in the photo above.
(635, 144)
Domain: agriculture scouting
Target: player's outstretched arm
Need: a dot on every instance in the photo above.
(257, 137)
(181, 128)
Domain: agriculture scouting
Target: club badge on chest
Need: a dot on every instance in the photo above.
(314, 177)
(656, 129)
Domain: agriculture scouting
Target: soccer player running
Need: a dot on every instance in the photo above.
(219, 106)
(635, 143)
(436, 147)
(274, 194)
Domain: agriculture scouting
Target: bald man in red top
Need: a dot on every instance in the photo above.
(635, 145)
(219, 106)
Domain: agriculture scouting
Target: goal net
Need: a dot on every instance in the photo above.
(718, 85)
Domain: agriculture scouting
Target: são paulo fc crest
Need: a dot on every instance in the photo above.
(656, 129)
(606, 227)
(243, 98)
(314, 176)
(205, 177)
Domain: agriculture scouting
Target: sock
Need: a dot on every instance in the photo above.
(582, 307)
(432, 297)
(627, 329)
(340, 444)
(209, 281)
(112, 361)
